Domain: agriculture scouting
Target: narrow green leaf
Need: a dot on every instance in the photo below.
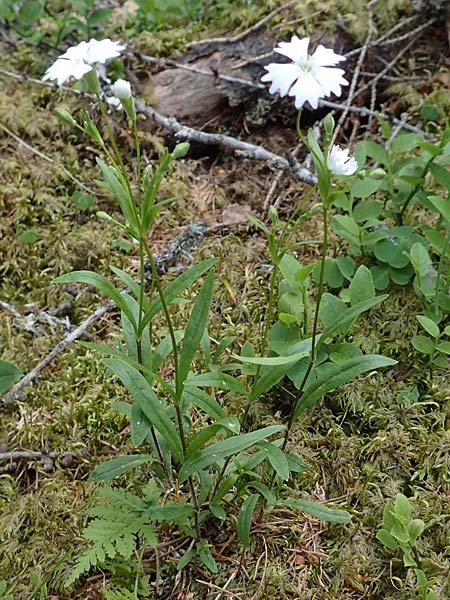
(272, 360)
(348, 315)
(177, 286)
(244, 523)
(149, 403)
(195, 328)
(269, 377)
(198, 441)
(120, 192)
(204, 553)
(217, 452)
(128, 281)
(192, 396)
(164, 349)
(277, 459)
(185, 559)
(337, 375)
(100, 283)
(318, 510)
(118, 466)
(217, 379)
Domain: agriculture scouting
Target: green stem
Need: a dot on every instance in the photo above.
(138, 159)
(158, 286)
(139, 347)
(312, 356)
(297, 126)
(178, 387)
(117, 154)
(439, 272)
(414, 191)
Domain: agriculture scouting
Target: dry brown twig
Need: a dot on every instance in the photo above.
(243, 34)
(179, 248)
(243, 149)
(40, 154)
(356, 71)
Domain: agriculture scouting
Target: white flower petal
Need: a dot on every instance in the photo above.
(306, 89)
(296, 49)
(121, 89)
(308, 78)
(62, 70)
(330, 79)
(340, 162)
(101, 51)
(78, 60)
(78, 53)
(282, 77)
(325, 57)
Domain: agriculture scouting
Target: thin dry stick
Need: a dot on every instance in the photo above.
(25, 455)
(356, 73)
(251, 84)
(243, 34)
(384, 39)
(179, 247)
(371, 113)
(28, 79)
(387, 68)
(45, 157)
(15, 392)
(244, 149)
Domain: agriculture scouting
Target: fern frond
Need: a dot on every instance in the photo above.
(118, 526)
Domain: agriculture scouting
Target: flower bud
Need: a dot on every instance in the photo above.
(121, 89)
(102, 215)
(329, 125)
(180, 150)
(273, 214)
(378, 173)
(316, 209)
(66, 117)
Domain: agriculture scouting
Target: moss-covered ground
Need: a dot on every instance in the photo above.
(363, 444)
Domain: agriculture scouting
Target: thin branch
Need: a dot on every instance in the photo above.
(179, 248)
(244, 149)
(21, 142)
(356, 73)
(243, 34)
(25, 455)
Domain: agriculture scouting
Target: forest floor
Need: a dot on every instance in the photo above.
(382, 434)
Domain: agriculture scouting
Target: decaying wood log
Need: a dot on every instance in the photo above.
(209, 81)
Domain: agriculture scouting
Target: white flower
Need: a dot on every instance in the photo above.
(340, 162)
(121, 89)
(78, 60)
(308, 77)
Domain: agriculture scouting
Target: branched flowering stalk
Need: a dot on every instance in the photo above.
(309, 78)
(80, 62)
